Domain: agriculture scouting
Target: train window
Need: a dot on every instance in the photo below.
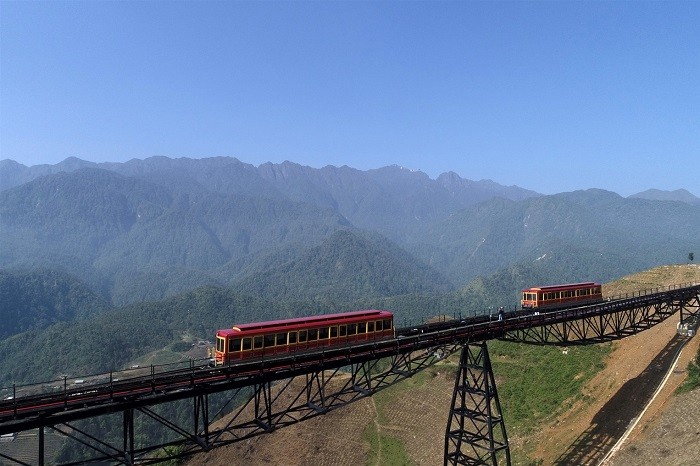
(334, 332)
(292, 337)
(352, 329)
(281, 339)
(378, 325)
(370, 327)
(343, 329)
(220, 345)
(269, 340)
(362, 327)
(257, 342)
(313, 334)
(234, 345)
(323, 333)
(302, 336)
(247, 344)
(387, 324)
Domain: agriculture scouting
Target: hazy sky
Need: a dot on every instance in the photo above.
(551, 96)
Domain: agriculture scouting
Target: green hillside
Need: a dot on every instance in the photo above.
(33, 301)
(580, 235)
(346, 267)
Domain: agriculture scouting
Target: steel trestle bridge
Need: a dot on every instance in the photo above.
(275, 392)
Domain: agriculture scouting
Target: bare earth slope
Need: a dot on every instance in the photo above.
(409, 421)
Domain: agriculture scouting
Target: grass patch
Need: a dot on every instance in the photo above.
(385, 450)
(536, 383)
(162, 356)
(692, 381)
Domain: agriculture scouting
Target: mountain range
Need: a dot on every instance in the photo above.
(148, 229)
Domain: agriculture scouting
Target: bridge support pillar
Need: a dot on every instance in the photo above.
(476, 432)
(41, 446)
(689, 317)
(128, 431)
(201, 413)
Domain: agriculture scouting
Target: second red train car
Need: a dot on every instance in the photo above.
(555, 296)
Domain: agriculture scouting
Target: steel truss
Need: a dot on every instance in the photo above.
(476, 431)
(261, 408)
(611, 325)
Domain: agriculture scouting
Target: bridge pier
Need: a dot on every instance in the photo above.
(689, 317)
(476, 431)
(41, 446)
(128, 431)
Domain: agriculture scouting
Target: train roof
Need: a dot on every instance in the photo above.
(273, 326)
(567, 286)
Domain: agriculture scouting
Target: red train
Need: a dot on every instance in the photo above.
(556, 296)
(284, 336)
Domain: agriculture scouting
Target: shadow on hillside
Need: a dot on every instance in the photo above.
(610, 422)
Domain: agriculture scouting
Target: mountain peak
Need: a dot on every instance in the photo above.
(678, 195)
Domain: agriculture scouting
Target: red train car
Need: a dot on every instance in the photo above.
(284, 336)
(555, 296)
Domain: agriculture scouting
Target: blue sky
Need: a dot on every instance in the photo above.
(551, 96)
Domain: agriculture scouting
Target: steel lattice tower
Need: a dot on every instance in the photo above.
(476, 432)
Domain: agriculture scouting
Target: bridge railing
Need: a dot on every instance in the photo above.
(653, 290)
(72, 384)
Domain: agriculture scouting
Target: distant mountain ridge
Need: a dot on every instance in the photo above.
(405, 199)
(148, 229)
(573, 233)
(679, 195)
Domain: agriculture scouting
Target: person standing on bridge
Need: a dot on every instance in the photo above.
(501, 313)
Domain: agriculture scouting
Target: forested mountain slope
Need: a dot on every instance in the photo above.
(583, 234)
(148, 229)
(346, 267)
(139, 240)
(32, 301)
